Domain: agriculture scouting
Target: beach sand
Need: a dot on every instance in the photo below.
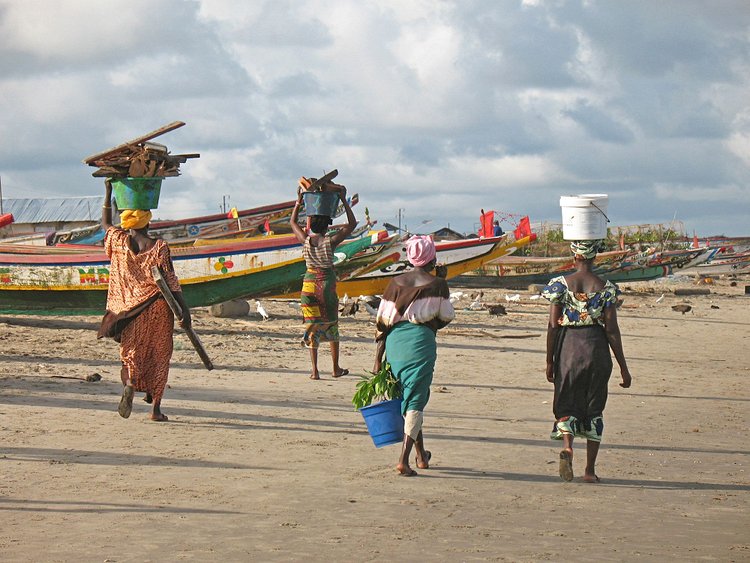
(260, 463)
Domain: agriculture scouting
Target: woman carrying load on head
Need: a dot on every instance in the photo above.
(137, 315)
(581, 331)
(319, 300)
(414, 307)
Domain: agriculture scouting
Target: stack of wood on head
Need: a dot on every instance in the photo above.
(316, 184)
(319, 195)
(139, 158)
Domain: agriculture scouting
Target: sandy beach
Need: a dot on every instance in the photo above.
(260, 463)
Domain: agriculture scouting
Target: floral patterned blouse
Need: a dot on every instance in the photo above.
(580, 309)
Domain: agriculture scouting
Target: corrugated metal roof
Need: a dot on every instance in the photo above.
(54, 209)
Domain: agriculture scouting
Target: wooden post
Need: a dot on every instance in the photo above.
(177, 310)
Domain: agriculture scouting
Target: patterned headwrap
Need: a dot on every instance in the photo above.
(134, 218)
(420, 250)
(587, 249)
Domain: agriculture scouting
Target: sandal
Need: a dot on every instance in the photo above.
(126, 401)
(341, 373)
(566, 465)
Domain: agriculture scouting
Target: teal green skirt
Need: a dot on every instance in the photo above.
(411, 350)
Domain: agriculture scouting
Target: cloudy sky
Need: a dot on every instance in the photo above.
(437, 108)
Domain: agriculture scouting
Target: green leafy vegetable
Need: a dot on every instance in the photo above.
(379, 386)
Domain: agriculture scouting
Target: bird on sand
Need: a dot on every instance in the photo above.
(682, 308)
(477, 304)
(371, 304)
(456, 296)
(349, 309)
(372, 311)
(497, 309)
(261, 310)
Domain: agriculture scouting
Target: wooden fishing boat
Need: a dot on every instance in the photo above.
(77, 283)
(722, 264)
(618, 265)
(647, 265)
(458, 256)
(185, 232)
(522, 271)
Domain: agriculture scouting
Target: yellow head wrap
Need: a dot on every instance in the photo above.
(134, 218)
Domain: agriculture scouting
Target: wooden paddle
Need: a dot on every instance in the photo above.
(177, 310)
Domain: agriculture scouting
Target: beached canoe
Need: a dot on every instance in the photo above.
(458, 256)
(617, 266)
(77, 283)
(184, 232)
(522, 271)
(722, 264)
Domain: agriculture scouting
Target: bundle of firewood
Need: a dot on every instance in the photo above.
(140, 158)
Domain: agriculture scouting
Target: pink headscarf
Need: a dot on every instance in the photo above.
(420, 250)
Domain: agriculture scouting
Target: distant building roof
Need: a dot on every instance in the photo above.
(447, 232)
(54, 209)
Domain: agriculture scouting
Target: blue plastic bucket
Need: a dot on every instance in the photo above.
(137, 193)
(321, 203)
(384, 422)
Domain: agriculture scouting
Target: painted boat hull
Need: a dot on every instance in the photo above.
(459, 257)
(77, 284)
(522, 271)
(616, 267)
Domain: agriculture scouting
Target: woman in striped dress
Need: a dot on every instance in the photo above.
(318, 298)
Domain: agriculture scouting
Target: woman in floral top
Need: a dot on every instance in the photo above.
(582, 328)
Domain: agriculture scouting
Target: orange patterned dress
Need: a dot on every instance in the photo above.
(137, 317)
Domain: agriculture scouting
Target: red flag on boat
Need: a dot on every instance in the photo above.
(523, 229)
(695, 240)
(267, 227)
(485, 224)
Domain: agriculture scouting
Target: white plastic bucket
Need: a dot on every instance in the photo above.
(584, 217)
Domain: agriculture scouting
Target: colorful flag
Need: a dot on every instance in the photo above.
(524, 228)
(485, 224)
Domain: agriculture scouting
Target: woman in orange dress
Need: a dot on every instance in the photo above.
(137, 315)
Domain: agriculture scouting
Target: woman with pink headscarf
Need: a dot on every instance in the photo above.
(414, 307)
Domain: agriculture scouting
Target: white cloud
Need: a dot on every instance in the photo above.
(730, 194)
(439, 108)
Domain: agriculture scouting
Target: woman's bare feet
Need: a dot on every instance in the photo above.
(156, 414)
(423, 462)
(405, 471)
(566, 465)
(315, 376)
